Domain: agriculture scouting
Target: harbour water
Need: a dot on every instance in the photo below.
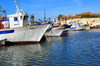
(78, 48)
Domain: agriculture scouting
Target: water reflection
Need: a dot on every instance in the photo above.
(18, 55)
(78, 48)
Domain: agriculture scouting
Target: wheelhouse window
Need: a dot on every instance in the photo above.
(15, 19)
(25, 17)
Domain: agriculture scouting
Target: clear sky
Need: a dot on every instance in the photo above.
(53, 7)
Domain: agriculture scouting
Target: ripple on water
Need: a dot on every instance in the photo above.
(78, 48)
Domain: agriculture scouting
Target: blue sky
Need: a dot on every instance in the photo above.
(53, 7)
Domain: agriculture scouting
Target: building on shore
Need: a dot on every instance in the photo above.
(87, 18)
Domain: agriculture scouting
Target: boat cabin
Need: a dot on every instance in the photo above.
(17, 20)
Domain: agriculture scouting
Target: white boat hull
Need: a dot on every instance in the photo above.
(87, 27)
(26, 34)
(76, 28)
(55, 31)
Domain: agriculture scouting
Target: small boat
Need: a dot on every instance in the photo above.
(76, 26)
(87, 27)
(66, 26)
(2, 42)
(55, 30)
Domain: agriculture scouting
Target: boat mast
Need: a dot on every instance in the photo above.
(17, 6)
(44, 15)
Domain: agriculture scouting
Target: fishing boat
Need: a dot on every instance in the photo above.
(18, 30)
(55, 30)
(76, 26)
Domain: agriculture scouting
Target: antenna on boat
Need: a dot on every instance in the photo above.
(16, 6)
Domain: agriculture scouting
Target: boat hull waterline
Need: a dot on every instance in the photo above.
(26, 34)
